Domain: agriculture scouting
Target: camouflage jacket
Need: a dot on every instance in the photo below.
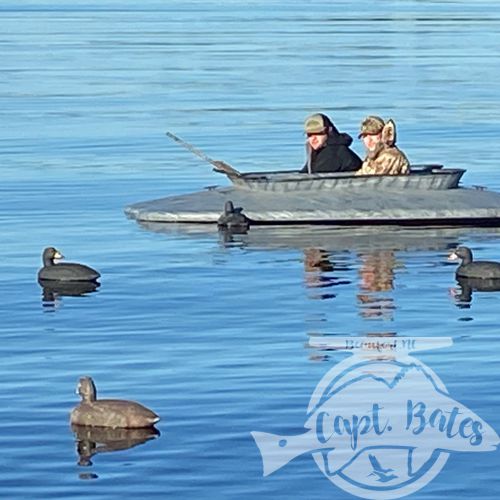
(385, 160)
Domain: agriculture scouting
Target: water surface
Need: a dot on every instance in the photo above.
(213, 334)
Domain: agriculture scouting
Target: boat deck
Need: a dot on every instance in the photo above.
(349, 206)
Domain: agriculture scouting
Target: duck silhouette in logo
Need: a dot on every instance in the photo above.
(113, 413)
(233, 219)
(69, 272)
(93, 440)
(383, 474)
(469, 268)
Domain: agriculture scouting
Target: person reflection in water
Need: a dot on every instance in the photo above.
(376, 277)
(317, 266)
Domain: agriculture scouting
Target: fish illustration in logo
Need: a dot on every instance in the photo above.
(380, 427)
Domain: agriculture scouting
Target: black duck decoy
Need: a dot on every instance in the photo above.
(67, 271)
(469, 268)
(233, 218)
(113, 413)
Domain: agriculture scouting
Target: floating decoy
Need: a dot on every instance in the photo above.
(68, 271)
(469, 268)
(233, 219)
(114, 413)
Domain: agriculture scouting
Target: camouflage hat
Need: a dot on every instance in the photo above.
(315, 124)
(371, 125)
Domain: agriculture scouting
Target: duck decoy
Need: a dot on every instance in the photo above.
(233, 219)
(67, 271)
(114, 413)
(469, 268)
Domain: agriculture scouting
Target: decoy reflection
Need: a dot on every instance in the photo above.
(93, 440)
(463, 294)
(53, 290)
(227, 236)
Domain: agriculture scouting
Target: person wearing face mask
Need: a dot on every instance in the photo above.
(328, 149)
(382, 157)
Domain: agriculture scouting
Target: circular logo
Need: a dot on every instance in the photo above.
(369, 413)
(380, 424)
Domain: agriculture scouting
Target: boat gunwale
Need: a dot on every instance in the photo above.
(294, 175)
(429, 177)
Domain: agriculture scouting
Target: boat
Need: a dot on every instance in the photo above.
(429, 195)
(426, 196)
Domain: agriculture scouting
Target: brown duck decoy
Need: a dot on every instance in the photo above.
(67, 272)
(114, 413)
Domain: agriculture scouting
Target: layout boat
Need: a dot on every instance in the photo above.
(428, 195)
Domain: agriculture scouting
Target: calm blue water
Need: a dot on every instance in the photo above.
(216, 336)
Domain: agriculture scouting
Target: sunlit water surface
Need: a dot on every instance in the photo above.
(213, 334)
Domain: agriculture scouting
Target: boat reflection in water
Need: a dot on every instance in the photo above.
(93, 440)
(328, 251)
(330, 238)
(463, 294)
(52, 291)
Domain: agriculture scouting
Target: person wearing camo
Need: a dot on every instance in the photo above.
(383, 157)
